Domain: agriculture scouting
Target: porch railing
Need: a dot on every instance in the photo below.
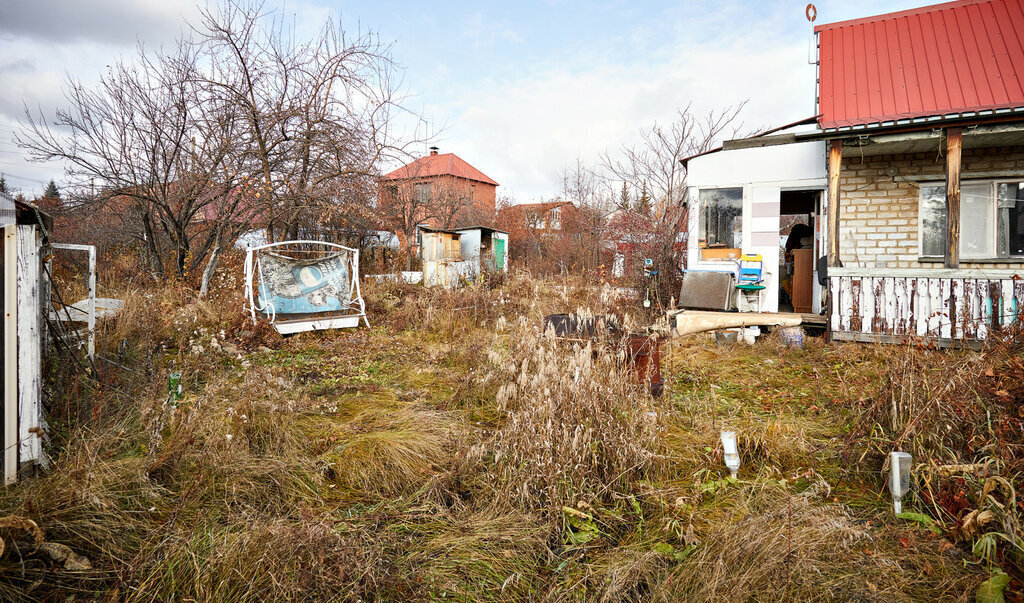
(879, 304)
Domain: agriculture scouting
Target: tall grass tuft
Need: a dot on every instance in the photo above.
(577, 426)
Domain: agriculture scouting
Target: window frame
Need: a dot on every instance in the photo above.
(423, 192)
(555, 218)
(996, 218)
(702, 217)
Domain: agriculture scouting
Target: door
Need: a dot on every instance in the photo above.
(499, 254)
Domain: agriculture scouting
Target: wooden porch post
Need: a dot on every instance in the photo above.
(953, 147)
(835, 162)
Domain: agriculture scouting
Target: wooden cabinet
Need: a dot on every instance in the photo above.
(803, 280)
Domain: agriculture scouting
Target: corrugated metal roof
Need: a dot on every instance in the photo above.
(448, 164)
(958, 59)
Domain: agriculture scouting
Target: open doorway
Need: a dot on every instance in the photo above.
(799, 221)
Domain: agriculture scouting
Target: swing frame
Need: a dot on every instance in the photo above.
(315, 322)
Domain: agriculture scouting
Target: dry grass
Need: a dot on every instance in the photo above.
(577, 426)
(775, 545)
(453, 451)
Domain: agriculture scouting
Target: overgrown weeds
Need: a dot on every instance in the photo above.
(958, 414)
(577, 425)
(455, 451)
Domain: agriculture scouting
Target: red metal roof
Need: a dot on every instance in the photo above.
(447, 164)
(953, 58)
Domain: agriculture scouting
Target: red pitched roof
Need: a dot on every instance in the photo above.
(954, 58)
(448, 164)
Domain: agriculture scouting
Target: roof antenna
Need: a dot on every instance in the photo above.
(812, 54)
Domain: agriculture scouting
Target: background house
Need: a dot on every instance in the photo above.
(551, 217)
(439, 190)
(553, 236)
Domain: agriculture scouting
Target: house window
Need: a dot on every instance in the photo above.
(555, 219)
(421, 192)
(721, 217)
(534, 220)
(991, 220)
(472, 192)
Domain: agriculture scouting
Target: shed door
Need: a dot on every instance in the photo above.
(499, 254)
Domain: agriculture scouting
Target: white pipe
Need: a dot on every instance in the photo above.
(92, 302)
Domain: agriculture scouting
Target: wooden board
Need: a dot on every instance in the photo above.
(10, 354)
(803, 280)
(688, 322)
(30, 345)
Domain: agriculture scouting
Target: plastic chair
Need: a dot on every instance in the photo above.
(751, 276)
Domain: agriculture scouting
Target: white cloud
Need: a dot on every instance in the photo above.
(522, 131)
(109, 21)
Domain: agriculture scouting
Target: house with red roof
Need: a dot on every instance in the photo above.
(909, 180)
(441, 190)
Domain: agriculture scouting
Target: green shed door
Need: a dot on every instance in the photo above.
(499, 254)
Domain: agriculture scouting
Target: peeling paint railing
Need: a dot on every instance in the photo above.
(947, 305)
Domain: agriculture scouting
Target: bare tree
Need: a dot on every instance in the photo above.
(654, 165)
(239, 125)
(317, 113)
(452, 205)
(144, 137)
(591, 195)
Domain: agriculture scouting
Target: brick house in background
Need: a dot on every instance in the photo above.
(553, 235)
(449, 191)
(542, 219)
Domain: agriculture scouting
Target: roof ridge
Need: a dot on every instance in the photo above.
(442, 164)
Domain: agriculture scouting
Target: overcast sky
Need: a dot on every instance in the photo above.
(518, 89)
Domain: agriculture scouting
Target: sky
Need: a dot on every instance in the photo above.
(518, 89)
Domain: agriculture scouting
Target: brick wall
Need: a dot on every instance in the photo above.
(481, 213)
(879, 202)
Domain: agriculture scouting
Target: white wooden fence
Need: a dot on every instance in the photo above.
(947, 305)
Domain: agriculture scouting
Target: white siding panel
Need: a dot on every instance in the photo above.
(29, 344)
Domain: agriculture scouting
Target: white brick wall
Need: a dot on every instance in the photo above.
(878, 213)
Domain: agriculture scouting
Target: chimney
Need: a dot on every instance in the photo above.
(433, 150)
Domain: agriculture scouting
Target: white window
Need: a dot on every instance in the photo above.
(991, 219)
(555, 219)
(721, 217)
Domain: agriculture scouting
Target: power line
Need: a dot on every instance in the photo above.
(17, 177)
